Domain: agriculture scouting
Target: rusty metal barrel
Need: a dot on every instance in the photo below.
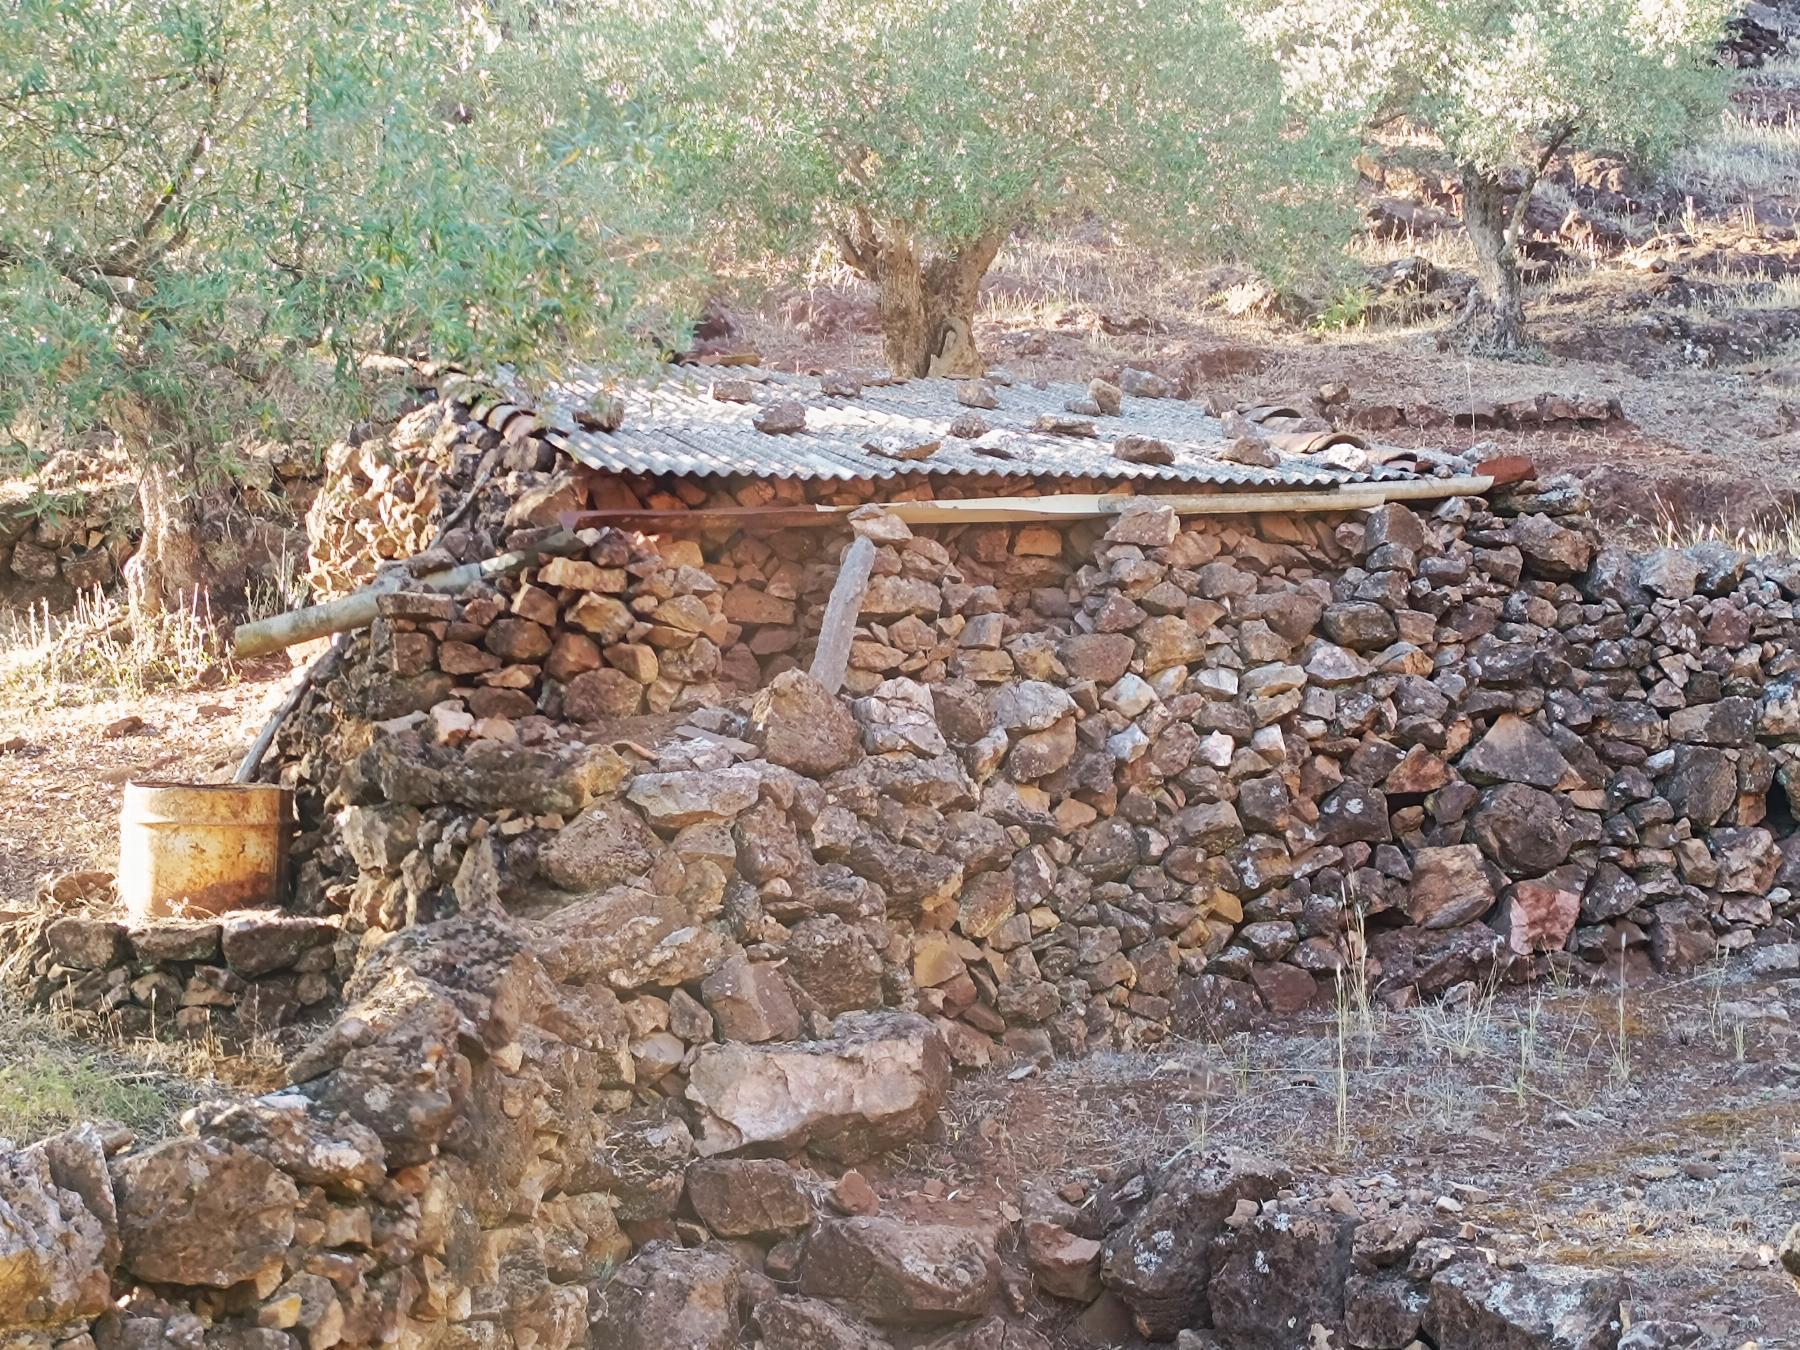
(200, 848)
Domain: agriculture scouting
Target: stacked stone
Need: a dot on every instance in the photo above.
(387, 498)
(463, 1159)
(467, 1157)
(54, 546)
(249, 972)
(1163, 776)
(1554, 411)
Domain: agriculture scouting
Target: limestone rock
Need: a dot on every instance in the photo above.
(287, 1130)
(606, 844)
(695, 797)
(202, 1212)
(801, 727)
(749, 1001)
(53, 1247)
(876, 1084)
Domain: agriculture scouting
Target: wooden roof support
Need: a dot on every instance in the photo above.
(1064, 506)
(831, 657)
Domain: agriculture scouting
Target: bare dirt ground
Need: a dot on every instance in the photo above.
(60, 786)
(1654, 1131)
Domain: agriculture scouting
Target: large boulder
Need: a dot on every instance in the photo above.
(203, 1212)
(606, 844)
(1476, 1306)
(801, 726)
(670, 1296)
(1160, 1262)
(1278, 1276)
(906, 1274)
(53, 1247)
(875, 1084)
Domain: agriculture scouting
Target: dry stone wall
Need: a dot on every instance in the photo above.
(252, 971)
(641, 941)
(1084, 786)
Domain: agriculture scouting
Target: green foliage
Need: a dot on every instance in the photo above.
(1349, 309)
(211, 211)
(943, 123)
(1502, 81)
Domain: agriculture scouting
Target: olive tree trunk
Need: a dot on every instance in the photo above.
(1495, 317)
(926, 304)
(169, 568)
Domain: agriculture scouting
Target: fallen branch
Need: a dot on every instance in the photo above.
(321, 666)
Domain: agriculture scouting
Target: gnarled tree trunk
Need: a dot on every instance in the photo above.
(168, 568)
(1494, 319)
(926, 305)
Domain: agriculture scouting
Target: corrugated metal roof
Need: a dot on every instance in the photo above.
(676, 427)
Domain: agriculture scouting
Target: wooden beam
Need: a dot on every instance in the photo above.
(831, 658)
(1064, 506)
(359, 608)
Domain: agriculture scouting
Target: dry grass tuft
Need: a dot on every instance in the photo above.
(94, 651)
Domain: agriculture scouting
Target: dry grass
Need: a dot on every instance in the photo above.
(93, 651)
(51, 1078)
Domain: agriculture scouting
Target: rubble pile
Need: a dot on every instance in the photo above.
(467, 1157)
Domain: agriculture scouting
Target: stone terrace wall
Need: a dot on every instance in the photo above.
(250, 972)
(1085, 786)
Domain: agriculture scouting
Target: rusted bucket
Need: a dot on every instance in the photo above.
(195, 848)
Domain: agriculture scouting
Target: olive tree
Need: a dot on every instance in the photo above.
(1506, 85)
(916, 135)
(212, 212)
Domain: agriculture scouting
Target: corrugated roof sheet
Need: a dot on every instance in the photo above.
(675, 427)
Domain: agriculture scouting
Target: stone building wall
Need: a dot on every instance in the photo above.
(1085, 784)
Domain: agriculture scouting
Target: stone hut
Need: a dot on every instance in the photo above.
(807, 740)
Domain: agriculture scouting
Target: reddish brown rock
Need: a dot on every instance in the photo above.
(1064, 1265)
(748, 1197)
(905, 1274)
